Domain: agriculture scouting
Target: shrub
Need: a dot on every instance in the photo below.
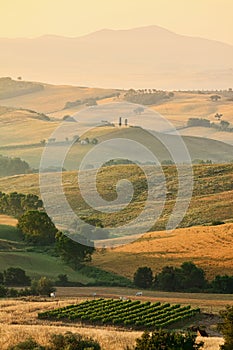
(28, 344)
(67, 341)
(226, 327)
(161, 340)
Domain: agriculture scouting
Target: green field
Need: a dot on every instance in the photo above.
(40, 264)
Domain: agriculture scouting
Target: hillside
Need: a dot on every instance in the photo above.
(212, 195)
(14, 252)
(29, 146)
(104, 59)
(49, 98)
(210, 247)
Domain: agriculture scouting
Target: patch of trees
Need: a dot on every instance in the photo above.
(119, 161)
(161, 340)
(11, 88)
(16, 204)
(147, 97)
(222, 126)
(186, 278)
(67, 341)
(13, 166)
(17, 277)
(14, 276)
(90, 101)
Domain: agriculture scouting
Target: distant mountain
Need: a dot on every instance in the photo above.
(150, 57)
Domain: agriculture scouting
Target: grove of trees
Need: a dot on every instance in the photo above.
(16, 204)
(13, 166)
(186, 278)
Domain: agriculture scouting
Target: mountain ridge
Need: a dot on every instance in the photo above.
(149, 56)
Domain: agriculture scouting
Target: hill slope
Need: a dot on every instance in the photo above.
(207, 246)
(212, 195)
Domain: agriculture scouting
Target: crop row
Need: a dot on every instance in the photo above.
(123, 313)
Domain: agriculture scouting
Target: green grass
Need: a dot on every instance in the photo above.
(10, 233)
(40, 264)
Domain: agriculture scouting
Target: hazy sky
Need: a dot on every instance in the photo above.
(29, 18)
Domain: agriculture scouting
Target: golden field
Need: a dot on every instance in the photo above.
(210, 247)
(18, 321)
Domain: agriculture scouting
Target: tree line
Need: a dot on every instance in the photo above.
(186, 278)
(222, 126)
(16, 204)
(147, 96)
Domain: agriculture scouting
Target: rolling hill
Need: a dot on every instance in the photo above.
(28, 144)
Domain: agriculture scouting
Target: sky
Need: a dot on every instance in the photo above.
(31, 18)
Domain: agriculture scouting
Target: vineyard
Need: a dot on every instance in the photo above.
(134, 314)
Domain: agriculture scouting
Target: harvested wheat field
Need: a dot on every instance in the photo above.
(18, 321)
(210, 247)
(8, 220)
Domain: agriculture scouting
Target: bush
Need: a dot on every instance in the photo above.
(226, 327)
(68, 341)
(161, 340)
(28, 344)
(72, 341)
(44, 286)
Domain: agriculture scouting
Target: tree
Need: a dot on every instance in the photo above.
(167, 279)
(224, 124)
(143, 277)
(215, 98)
(15, 276)
(73, 252)
(192, 276)
(43, 286)
(218, 116)
(226, 327)
(37, 227)
(223, 284)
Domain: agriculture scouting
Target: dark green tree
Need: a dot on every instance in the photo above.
(37, 227)
(223, 284)
(14, 276)
(167, 279)
(43, 286)
(73, 251)
(192, 276)
(143, 277)
(226, 327)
